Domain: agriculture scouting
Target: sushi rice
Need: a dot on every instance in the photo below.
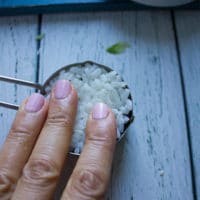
(96, 84)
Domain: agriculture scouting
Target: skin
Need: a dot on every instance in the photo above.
(34, 152)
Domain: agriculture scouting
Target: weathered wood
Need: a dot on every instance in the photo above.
(152, 161)
(189, 40)
(17, 59)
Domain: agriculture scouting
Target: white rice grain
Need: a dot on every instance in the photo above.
(95, 84)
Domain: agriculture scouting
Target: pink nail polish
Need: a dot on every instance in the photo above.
(100, 111)
(35, 103)
(62, 89)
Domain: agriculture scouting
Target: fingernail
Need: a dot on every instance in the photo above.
(62, 89)
(35, 103)
(100, 111)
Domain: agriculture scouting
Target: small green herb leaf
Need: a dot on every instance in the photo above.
(118, 48)
(40, 36)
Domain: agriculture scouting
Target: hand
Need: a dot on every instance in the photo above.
(33, 155)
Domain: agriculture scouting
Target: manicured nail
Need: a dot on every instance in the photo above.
(62, 89)
(100, 111)
(35, 103)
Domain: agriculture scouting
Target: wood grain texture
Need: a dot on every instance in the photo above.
(152, 161)
(188, 30)
(17, 59)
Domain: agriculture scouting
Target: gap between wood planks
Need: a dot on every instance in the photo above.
(185, 105)
(38, 50)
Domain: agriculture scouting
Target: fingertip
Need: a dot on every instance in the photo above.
(103, 114)
(34, 103)
(100, 111)
(64, 92)
(101, 123)
(62, 89)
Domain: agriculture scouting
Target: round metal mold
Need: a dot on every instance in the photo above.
(52, 79)
(45, 89)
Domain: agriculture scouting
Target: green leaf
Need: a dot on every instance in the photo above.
(118, 48)
(40, 36)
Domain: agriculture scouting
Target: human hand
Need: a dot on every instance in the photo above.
(34, 152)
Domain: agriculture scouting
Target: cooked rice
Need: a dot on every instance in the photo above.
(95, 84)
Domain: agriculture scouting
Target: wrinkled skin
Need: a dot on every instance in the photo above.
(34, 152)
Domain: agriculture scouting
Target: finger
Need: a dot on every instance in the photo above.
(20, 141)
(90, 177)
(42, 171)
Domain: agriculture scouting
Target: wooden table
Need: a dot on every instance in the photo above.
(159, 158)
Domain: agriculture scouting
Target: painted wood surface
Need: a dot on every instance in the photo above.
(189, 40)
(17, 59)
(152, 161)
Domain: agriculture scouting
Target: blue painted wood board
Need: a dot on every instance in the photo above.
(13, 7)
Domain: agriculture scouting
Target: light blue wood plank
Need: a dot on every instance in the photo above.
(17, 59)
(189, 40)
(152, 162)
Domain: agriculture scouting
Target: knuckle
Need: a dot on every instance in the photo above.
(101, 131)
(101, 135)
(88, 183)
(105, 142)
(7, 183)
(40, 172)
(59, 119)
(19, 133)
